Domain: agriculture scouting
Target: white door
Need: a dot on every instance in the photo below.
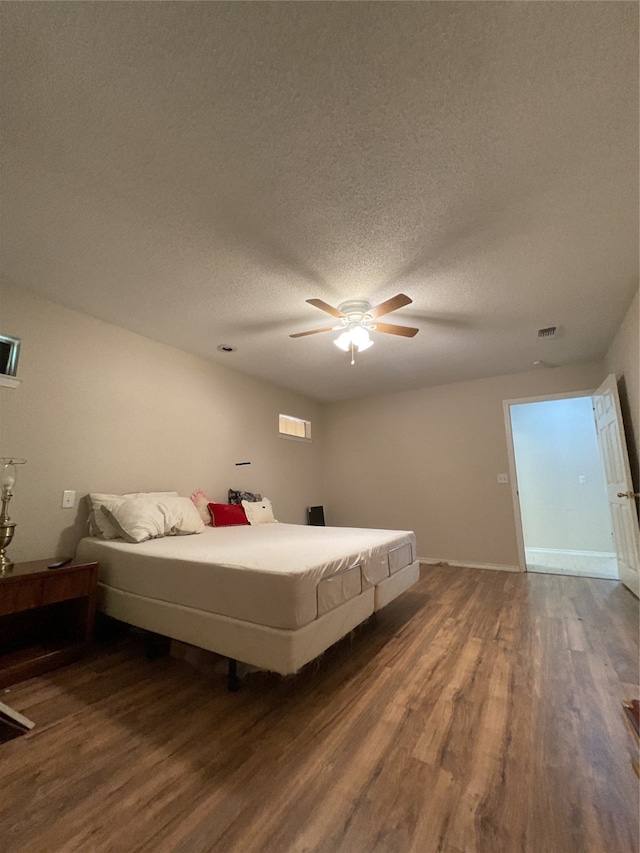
(606, 407)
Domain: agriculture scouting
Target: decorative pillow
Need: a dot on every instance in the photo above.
(259, 512)
(227, 515)
(201, 502)
(237, 497)
(139, 519)
(99, 523)
(181, 517)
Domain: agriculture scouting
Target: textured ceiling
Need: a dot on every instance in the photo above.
(195, 171)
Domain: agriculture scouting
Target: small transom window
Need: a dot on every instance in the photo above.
(291, 427)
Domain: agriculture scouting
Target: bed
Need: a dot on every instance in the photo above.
(271, 595)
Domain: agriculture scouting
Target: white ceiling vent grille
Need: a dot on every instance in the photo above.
(549, 332)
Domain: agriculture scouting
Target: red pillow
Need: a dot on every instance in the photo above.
(227, 515)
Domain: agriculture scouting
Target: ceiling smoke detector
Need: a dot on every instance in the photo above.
(549, 332)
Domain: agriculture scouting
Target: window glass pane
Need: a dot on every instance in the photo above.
(296, 427)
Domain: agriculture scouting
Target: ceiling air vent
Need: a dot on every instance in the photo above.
(549, 332)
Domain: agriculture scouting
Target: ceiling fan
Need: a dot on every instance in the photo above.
(357, 319)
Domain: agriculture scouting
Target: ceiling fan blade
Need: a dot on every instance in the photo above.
(312, 332)
(390, 305)
(324, 306)
(390, 329)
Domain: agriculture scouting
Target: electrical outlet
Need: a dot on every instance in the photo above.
(68, 499)
(503, 478)
(582, 479)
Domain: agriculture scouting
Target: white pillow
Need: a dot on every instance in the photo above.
(259, 512)
(99, 524)
(138, 519)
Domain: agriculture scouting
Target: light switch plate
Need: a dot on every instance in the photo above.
(68, 499)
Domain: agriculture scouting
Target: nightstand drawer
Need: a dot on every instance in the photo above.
(65, 587)
(46, 617)
(15, 597)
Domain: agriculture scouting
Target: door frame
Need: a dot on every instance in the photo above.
(511, 456)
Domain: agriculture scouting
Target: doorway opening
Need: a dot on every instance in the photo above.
(562, 488)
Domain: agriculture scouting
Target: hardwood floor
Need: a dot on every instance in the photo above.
(479, 713)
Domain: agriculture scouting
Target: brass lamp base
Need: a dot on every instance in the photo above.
(7, 529)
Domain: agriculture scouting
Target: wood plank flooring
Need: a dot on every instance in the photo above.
(478, 713)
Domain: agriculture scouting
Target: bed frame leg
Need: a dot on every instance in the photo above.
(233, 682)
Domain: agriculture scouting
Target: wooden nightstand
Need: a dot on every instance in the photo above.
(46, 617)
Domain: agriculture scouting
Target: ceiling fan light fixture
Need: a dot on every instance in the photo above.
(360, 337)
(356, 336)
(343, 342)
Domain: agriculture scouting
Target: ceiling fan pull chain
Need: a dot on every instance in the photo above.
(353, 354)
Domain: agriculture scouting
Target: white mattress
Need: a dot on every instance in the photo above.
(278, 575)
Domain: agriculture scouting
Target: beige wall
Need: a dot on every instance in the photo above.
(103, 409)
(427, 460)
(623, 359)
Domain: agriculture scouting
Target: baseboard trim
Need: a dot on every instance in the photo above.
(564, 561)
(454, 564)
(607, 555)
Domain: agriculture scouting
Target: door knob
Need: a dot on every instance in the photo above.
(629, 494)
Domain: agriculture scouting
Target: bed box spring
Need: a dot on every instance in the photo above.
(395, 585)
(274, 649)
(276, 575)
